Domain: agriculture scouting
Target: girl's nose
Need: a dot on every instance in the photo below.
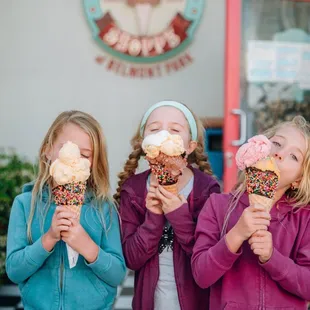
(278, 156)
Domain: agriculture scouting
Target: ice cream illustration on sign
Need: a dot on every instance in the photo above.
(70, 172)
(143, 9)
(261, 170)
(167, 158)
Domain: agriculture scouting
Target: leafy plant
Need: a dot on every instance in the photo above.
(14, 173)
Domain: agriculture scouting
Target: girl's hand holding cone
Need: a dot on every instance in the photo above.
(253, 218)
(152, 202)
(79, 240)
(60, 222)
(261, 245)
(170, 202)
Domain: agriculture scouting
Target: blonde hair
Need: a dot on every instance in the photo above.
(198, 156)
(98, 182)
(299, 197)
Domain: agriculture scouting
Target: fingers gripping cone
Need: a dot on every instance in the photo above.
(173, 188)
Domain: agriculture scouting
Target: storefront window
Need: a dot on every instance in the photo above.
(275, 61)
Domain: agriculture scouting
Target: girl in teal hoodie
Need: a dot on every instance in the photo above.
(38, 229)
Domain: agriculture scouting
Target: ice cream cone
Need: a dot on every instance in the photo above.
(76, 210)
(173, 188)
(167, 158)
(261, 170)
(261, 186)
(264, 201)
(143, 12)
(70, 195)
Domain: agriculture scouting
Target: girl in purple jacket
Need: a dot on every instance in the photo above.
(158, 227)
(250, 258)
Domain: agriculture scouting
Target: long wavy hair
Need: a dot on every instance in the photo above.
(98, 182)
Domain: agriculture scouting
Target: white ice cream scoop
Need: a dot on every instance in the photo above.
(155, 139)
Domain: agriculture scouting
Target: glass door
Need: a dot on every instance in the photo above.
(273, 48)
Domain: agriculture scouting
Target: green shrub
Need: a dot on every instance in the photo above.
(14, 173)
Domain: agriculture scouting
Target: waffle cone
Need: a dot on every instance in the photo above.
(71, 196)
(261, 184)
(75, 209)
(264, 201)
(173, 188)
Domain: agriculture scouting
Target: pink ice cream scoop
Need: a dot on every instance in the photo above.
(257, 148)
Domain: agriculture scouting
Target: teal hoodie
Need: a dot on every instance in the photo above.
(44, 278)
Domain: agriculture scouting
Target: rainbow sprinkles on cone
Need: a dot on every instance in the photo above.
(70, 172)
(166, 156)
(261, 170)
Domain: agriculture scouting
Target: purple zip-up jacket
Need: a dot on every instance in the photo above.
(142, 230)
(240, 281)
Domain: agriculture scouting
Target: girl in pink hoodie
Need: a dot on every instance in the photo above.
(253, 259)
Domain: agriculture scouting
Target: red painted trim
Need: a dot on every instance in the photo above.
(232, 87)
